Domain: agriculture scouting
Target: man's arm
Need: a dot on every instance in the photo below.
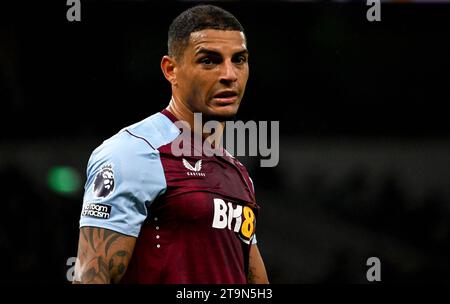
(103, 256)
(256, 269)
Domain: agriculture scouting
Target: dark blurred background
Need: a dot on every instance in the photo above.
(364, 131)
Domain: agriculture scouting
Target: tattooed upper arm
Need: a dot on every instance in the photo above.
(256, 270)
(103, 255)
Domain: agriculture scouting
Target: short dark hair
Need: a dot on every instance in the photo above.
(195, 19)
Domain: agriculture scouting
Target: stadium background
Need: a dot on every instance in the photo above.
(364, 147)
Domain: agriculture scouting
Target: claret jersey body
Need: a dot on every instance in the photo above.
(194, 217)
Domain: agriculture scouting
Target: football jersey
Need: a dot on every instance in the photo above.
(194, 217)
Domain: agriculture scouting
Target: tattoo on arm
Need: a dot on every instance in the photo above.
(251, 277)
(256, 270)
(103, 255)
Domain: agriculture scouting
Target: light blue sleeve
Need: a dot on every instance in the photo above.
(124, 176)
(254, 241)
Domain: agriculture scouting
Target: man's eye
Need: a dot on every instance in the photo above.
(207, 61)
(241, 59)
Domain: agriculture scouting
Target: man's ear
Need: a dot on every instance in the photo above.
(169, 69)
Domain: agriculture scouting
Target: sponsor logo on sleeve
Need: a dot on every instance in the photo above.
(100, 211)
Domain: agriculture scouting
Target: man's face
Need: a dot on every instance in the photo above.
(213, 72)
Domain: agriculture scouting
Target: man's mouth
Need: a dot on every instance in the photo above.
(227, 96)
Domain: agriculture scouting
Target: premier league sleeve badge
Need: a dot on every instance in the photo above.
(104, 182)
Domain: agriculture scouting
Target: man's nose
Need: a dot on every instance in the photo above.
(228, 73)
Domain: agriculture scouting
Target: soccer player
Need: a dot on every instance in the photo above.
(150, 216)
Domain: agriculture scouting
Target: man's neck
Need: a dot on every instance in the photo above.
(183, 113)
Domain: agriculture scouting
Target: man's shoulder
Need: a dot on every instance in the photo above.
(155, 130)
(143, 137)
